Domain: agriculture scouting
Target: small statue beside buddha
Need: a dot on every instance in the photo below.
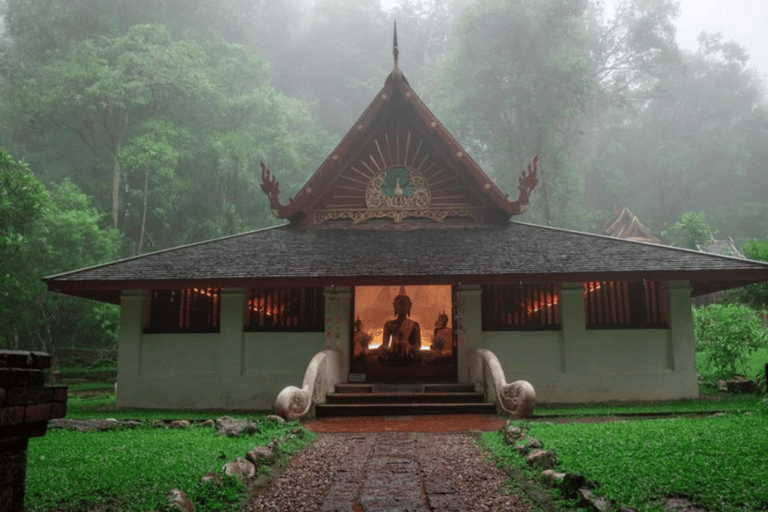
(361, 340)
(442, 340)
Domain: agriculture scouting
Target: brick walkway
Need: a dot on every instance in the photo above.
(394, 464)
(436, 423)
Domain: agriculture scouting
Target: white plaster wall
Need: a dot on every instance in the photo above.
(169, 354)
(580, 365)
(227, 370)
(237, 370)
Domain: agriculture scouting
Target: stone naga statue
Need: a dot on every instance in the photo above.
(517, 399)
(324, 371)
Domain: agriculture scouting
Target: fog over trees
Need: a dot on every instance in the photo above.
(155, 113)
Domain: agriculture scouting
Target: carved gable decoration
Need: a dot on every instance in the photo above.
(398, 175)
(398, 163)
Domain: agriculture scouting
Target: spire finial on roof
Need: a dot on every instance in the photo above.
(395, 51)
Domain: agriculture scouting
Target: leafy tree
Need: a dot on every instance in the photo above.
(41, 234)
(338, 61)
(690, 232)
(529, 70)
(103, 90)
(728, 334)
(699, 142)
(754, 295)
(170, 132)
(554, 78)
(22, 203)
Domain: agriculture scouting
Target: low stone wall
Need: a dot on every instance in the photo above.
(26, 405)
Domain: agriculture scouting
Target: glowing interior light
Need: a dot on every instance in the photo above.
(373, 307)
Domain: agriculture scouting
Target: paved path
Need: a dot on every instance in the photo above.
(391, 472)
(419, 423)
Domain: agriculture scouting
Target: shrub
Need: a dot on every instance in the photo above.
(728, 334)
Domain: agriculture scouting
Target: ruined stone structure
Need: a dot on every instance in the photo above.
(26, 405)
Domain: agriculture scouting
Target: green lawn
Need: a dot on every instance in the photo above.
(719, 402)
(133, 470)
(103, 406)
(717, 462)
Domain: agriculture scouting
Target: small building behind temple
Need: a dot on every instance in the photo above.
(627, 226)
(399, 209)
(725, 247)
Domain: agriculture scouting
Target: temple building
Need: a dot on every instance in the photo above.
(400, 255)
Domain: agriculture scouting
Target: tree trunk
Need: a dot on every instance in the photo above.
(116, 174)
(144, 209)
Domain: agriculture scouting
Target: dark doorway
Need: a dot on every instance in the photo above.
(403, 334)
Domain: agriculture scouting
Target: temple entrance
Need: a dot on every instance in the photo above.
(403, 334)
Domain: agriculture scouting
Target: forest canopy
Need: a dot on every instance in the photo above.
(150, 117)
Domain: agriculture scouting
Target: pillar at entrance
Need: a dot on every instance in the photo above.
(337, 320)
(470, 326)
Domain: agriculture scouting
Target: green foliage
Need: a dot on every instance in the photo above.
(133, 470)
(50, 232)
(690, 232)
(218, 495)
(168, 127)
(754, 295)
(728, 334)
(717, 462)
(529, 84)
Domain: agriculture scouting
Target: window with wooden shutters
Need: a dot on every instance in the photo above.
(184, 310)
(289, 309)
(624, 305)
(521, 307)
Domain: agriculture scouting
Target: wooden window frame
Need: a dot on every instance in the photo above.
(183, 310)
(285, 309)
(521, 307)
(625, 305)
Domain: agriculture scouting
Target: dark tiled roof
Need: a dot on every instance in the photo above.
(388, 253)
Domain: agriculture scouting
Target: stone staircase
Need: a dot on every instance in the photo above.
(373, 399)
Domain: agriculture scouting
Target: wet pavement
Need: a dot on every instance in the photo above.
(394, 464)
(436, 423)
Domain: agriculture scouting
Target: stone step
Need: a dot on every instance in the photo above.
(392, 409)
(404, 398)
(383, 387)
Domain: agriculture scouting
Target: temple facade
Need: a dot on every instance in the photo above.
(401, 254)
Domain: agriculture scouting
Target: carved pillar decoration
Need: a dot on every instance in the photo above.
(337, 314)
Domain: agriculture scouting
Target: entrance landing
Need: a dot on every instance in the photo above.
(437, 423)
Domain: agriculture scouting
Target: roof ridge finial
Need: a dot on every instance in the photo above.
(395, 50)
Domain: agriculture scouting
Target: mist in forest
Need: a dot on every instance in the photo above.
(150, 118)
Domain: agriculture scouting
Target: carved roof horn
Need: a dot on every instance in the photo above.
(271, 187)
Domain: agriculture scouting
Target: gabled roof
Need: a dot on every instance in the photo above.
(398, 141)
(359, 220)
(387, 253)
(625, 225)
(723, 247)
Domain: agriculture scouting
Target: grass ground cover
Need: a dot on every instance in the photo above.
(106, 387)
(717, 403)
(718, 463)
(103, 406)
(133, 470)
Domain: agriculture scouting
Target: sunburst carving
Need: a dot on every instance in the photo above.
(399, 188)
(396, 176)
